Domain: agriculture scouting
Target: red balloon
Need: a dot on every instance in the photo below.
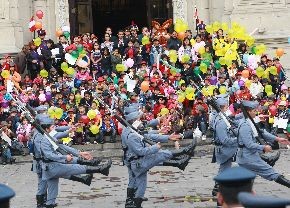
(145, 86)
(245, 73)
(84, 119)
(38, 25)
(273, 110)
(181, 35)
(39, 14)
(280, 52)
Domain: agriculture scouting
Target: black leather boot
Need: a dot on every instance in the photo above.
(40, 203)
(86, 179)
(215, 189)
(143, 198)
(181, 164)
(283, 181)
(189, 150)
(93, 162)
(130, 198)
(138, 202)
(103, 169)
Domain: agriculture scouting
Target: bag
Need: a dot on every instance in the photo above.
(271, 157)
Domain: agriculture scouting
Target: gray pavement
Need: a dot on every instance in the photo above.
(167, 187)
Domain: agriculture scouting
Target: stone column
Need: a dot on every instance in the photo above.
(179, 9)
(61, 13)
(228, 9)
(203, 10)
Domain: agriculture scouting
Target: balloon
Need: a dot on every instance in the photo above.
(190, 96)
(203, 67)
(201, 50)
(280, 52)
(273, 110)
(8, 97)
(94, 129)
(84, 119)
(241, 83)
(5, 104)
(192, 41)
(145, 86)
(245, 73)
(260, 49)
(145, 40)
(66, 28)
(223, 90)
(273, 70)
(59, 32)
(181, 98)
(222, 61)
(64, 66)
(254, 50)
(228, 62)
(75, 54)
(66, 34)
(91, 114)
(173, 56)
(164, 111)
(209, 29)
(48, 96)
(245, 58)
(70, 59)
(120, 67)
(37, 41)
(268, 89)
(58, 113)
(181, 35)
(80, 47)
(248, 83)
(225, 27)
(129, 62)
(189, 90)
(38, 25)
(250, 41)
(42, 98)
(213, 80)
(43, 73)
(39, 14)
(216, 26)
(217, 64)
(5, 74)
(197, 71)
(70, 71)
(180, 26)
(206, 62)
(185, 58)
(259, 72)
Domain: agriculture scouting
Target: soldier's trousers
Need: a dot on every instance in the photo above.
(227, 164)
(42, 185)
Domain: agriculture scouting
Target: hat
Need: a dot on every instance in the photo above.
(250, 200)
(41, 32)
(133, 115)
(6, 193)
(221, 101)
(120, 80)
(41, 108)
(235, 176)
(6, 56)
(2, 88)
(111, 87)
(284, 87)
(100, 79)
(143, 62)
(46, 121)
(123, 90)
(154, 65)
(133, 94)
(153, 123)
(41, 116)
(250, 104)
(283, 103)
(11, 63)
(90, 78)
(4, 123)
(155, 38)
(222, 76)
(71, 110)
(130, 109)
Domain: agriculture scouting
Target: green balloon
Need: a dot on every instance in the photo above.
(288, 128)
(207, 62)
(254, 50)
(75, 54)
(217, 65)
(66, 34)
(197, 71)
(80, 47)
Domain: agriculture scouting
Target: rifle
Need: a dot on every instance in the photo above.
(29, 114)
(123, 121)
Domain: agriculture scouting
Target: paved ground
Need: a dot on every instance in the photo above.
(167, 187)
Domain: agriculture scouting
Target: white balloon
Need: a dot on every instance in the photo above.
(65, 29)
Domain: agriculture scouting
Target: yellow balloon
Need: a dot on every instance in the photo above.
(205, 91)
(5, 74)
(180, 98)
(43, 73)
(222, 61)
(37, 41)
(185, 58)
(248, 83)
(225, 27)
(259, 72)
(120, 67)
(94, 129)
(201, 50)
(50, 112)
(58, 113)
(70, 71)
(203, 67)
(164, 111)
(223, 90)
(250, 41)
(209, 29)
(216, 26)
(268, 89)
(181, 82)
(192, 41)
(91, 114)
(190, 96)
(273, 70)
(145, 40)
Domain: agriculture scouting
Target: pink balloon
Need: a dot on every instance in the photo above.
(129, 62)
(39, 14)
(231, 107)
(42, 98)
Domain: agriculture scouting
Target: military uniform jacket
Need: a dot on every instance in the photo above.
(37, 160)
(226, 143)
(251, 150)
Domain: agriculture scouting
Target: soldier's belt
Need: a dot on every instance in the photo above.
(47, 160)
(241, 145)
(133, 158)
(37, 158)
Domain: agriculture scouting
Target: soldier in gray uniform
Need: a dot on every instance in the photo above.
(226, 144)
(139, 158)
(56, 165)
(248, 155)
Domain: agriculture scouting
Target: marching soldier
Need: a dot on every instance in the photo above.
(139, 158)
(248, 155)
(226, 144)
(56, 165)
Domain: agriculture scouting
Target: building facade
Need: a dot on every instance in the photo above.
(268, 18)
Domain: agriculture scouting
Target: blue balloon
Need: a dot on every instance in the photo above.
(7, 97)
(245, 58)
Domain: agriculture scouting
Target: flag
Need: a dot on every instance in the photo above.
(196, 17)
(31, 25)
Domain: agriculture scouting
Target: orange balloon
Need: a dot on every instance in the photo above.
(245, 73)
(145, 86)
(59, 32)
(280, 52)
(38, 25)
(181, 35)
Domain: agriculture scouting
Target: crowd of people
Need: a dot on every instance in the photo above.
(170, 74)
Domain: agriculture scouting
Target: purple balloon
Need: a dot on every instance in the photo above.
(241, 83)
(48, 96)
(213, 80)
(5, 104)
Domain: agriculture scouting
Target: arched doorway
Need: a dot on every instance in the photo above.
(96, 15)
